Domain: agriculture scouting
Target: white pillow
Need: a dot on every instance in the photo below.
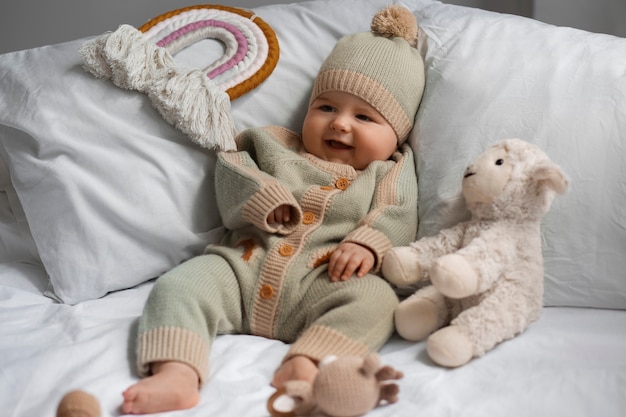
(114, 195)
(492, 76)
(16, 241)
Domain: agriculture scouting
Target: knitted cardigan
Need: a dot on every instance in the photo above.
(332, 203)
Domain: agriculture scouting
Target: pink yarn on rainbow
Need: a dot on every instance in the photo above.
(251, 47)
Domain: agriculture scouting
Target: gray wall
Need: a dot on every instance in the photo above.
(604, 16)
(31, 23)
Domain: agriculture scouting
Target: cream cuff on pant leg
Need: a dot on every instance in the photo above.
(172, 344)
(319, 341)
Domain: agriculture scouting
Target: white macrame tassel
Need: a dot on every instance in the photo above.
(94, 61)
(192, 103)
(184, 97)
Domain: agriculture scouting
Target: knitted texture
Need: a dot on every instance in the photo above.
(319, 342)
(185, 311)
(172, 343)
(369, 207)
(272, 280)
(345, 386)
(359, 391)
(383, 68)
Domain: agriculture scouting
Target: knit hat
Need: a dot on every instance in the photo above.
(382, 67)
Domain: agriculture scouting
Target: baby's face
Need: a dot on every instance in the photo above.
(340, 127)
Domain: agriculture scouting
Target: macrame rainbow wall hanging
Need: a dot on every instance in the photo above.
(196, 101)
(251, 48)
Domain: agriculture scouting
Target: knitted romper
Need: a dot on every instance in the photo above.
(271, 280)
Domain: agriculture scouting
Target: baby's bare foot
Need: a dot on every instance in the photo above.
(173, 386)
(295, 368)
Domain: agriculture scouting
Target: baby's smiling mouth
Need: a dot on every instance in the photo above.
(337, 145)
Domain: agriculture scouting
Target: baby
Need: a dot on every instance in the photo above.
(309, 219)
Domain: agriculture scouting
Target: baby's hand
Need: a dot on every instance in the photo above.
(281, 214)
(349, 258)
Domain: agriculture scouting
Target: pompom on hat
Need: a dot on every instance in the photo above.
(382, 67)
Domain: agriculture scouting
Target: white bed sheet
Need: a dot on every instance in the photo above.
(572, 362)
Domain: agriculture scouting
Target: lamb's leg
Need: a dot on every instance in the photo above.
(421, 314)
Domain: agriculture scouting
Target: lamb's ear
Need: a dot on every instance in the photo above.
(552, 176)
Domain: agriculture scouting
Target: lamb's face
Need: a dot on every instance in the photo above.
(485, 178)
(512, 179)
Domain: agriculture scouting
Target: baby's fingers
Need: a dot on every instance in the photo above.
(365, 266)
(281, 214)
(342, 265)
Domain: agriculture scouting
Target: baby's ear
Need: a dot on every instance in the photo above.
(551, 175)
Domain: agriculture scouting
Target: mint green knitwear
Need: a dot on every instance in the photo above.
(201, 298)
(271, 280)
(184, 312)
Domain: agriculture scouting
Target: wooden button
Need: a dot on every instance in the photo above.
(267, 292)
(308, 217)
(286, 250)
(342, 183)
(326, 188)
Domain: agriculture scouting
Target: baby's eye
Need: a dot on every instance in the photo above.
(326, 108)
(363, 117)
(499, 161)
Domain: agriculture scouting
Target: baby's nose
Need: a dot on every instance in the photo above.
(340, 123)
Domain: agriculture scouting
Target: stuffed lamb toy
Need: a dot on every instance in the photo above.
(486, 274)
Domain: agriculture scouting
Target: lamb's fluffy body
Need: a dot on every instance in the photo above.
(486, 274)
